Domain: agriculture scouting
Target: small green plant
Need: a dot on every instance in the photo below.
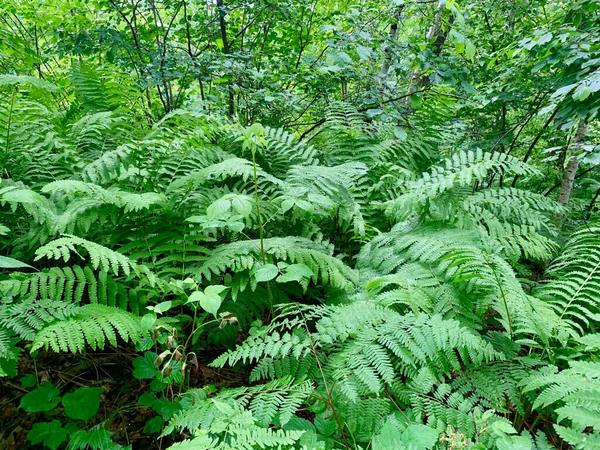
(80, 406)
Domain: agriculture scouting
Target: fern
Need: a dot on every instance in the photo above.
(77, 285)
(240, 431)
(244, 255)
(101, 257)
(93, 325)
(461, 170)
(578, 390)
(574, 286)
(27, 318)
(127, 200)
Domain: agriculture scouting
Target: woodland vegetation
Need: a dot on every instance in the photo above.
(299, 224)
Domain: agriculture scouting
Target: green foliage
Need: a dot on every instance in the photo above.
(576, 389)
(241, 430)
(574, 281)
(52, 434)
(315, 226)
(82, 404)
(43, 398)
(93, 325)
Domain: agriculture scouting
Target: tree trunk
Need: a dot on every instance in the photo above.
(435, 32)
(223, 28)
(566, 187)
(567, 183)
(385, 67)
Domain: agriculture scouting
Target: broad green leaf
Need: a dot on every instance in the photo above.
(218, 208)
(195, 297)
(416, 101)
(287, 204)
(295, 272)
(82, 404)
(419, 437)
(148, 321)
(326, 426)
(11, 263)
(161, 307)
(144, 367)
(166, 408)
(470, 50)
(148, 399)
(502, 426)
(235, 226)
(563, 90)
(389, 437)
(211, 302)
(28, 381)
(582, 93)
(96, 439)
(266, 272)
(196, 219)
(52, 434)
(154, 425)
(364, 53)
(43, 398)
(514, 443)
(242, 205)
(400, 133)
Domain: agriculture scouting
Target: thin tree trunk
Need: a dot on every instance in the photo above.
(416, 81)
(387, 60)
(567, 183)
(566, 187)
(226, 51)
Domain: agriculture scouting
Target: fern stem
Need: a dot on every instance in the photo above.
(325, 385)
(508, 318)
(257, 201)
(8, 125)
(261, 227)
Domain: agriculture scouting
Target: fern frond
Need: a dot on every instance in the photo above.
(228, 427)
(77, 285)
(101, 257)
(573, 288)
(459, 171)
(27, 317)
(244, 255)
(129, 201)
(93, 325)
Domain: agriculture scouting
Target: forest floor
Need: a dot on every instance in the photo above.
(109, 370)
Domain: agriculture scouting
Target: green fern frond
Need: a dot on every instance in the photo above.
(573, 288)
(459, 171)
(283, 150)
(93, 325)
(229, 427)
(77, 285)
(129, 201)
(233, 167)
(27, 317)
(244, 255)
(578, 390)
(101, 257)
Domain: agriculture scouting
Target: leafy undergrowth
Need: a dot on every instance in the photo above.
(119, 414)
(186, 280)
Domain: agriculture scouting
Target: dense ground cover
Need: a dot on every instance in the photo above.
(299, 225)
